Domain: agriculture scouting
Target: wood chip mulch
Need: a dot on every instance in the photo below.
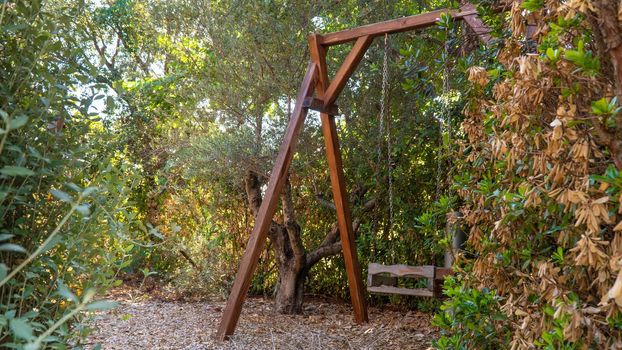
(144, 321)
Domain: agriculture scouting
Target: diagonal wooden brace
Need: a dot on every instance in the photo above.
(476, 23)
(268, 206)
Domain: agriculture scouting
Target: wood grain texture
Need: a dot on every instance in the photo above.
(442, 272)
(344, 218)
(389, 290)
(268, 206)
(426, 271)
(318, 105)
(347, 68)
(473, 21)
(403, 24)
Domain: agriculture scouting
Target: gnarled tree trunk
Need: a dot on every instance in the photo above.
(293, 261)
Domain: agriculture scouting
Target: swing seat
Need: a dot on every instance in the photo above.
(383, 279)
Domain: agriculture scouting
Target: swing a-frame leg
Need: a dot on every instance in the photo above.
(329, 93)
(268, 206)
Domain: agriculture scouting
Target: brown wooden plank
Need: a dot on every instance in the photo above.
(318, 55)
(344, 219)
(403, 24)
(418, 292)
(478, 26)
(347, 68)
(426, 271)
(266, 210)
(439, 277)
(318, 105)
(442, 272)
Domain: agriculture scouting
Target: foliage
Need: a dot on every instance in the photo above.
(229, 118)
(540, 189)
(470, 316)
(64, 189)
(129, 130)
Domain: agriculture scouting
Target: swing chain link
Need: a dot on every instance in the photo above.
(445, 117)
(385, 73)
(385, 114)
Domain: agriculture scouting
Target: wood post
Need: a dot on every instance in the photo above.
(332, 91)
(397, 25)
(268, 206)
(333, 153)
(458, 237)
(344, 218)
(473, 21)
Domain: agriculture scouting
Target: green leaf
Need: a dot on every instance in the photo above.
(110, 102)
(74, 187)
(32, 346)
(101, 305)
(605, 107)
(88, 295)
(10, 247)
(89, 190)
(10, 170)
(21, 329)
(15, 27)
(61, 196)
(18, 122)
(600, 107)
(51, 244)
(552, 54)
(64, 291)
(3, 271)
(6, 236)
(532, 5)
(83, 209)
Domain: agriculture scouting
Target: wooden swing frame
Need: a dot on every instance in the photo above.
(326, 92)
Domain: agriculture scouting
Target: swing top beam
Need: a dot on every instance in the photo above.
(326, 92)
(393, 26)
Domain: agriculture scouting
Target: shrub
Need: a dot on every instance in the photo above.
(469, 319)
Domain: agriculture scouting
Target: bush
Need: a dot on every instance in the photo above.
(64, 188)
(469, 319)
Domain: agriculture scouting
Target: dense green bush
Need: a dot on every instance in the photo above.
(65, 204)
(540, 184)
(467, 319)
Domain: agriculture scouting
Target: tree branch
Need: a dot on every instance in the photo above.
(253, 191)
(324, 202)
(330, 245)
(291, 226)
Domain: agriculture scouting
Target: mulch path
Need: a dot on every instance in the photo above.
(146, 321)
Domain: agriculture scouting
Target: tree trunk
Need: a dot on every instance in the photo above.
(287, 246)
(293, 261)
(289, 290)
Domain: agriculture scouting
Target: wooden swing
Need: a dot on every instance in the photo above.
(326, 92)
(384, 279)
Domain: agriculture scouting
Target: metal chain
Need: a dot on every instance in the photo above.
(381, 121)
(444, 118)
(385, 96)
(384, 115)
